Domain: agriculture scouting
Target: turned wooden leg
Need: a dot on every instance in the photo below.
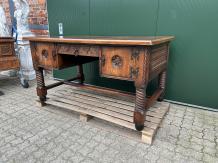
(1, 93)
(80, 73)
(41, 89)
(139, 113)
(162, 84)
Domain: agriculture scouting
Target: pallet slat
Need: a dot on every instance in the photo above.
(92, 107)
(113, 110)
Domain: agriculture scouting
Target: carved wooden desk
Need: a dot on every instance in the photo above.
(137, 59)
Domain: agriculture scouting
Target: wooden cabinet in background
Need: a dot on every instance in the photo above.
(8, 59)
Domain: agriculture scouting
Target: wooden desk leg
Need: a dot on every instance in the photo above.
(41, 89)
(162, 84)
(80, 73)
(139, 113)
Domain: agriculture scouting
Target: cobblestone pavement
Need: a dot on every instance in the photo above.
(32, 134)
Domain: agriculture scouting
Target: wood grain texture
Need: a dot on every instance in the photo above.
(158, 60)
(137, 59)
(8, 59)
(7, 63)
(82, 50)
(105, 40)
(116, 69)
(110, 109)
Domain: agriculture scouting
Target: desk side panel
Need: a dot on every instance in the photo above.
(44, 55)
(159, 57)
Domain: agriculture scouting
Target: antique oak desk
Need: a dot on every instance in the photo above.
(137, 59)
(8, 59)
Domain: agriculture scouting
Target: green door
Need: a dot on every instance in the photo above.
(193, 62)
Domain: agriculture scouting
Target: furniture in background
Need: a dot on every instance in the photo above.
(8, 58)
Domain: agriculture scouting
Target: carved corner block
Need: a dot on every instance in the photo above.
(134, 72)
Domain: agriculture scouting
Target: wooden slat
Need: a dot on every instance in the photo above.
(93, 113)
(106, 99)
(88, 100)
(102, 100)
(113, 110)
(92, 107)
(128, 96)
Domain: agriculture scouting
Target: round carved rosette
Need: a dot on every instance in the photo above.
(117, 61)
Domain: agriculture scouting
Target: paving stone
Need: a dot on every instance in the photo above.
(95, 155)
(23, 145)
(198, 135)
(164, 160)
(85, 150)
(196, 147)
(210, 151)
(33, 134)
(196, 155)
(167, 154)
(180, 158)
(183, 151)
(101, 148)
(49, 146)
(16, 141)
(210, 159)
(88, 160)
(184, 143)
(151, 157)
(196, 140)
(39, 153)
(210, 144)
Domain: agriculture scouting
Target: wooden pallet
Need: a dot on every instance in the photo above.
(107, 108)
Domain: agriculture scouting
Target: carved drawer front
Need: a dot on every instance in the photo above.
(121, 62)
(82, 50)
(46, 55)
(6, 49)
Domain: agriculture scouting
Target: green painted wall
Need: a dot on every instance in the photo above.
(193, 62)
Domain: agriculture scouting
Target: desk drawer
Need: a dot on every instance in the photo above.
(45, 55)
(81, 50)
(122, 62)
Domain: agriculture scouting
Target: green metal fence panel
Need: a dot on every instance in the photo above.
(193, 62)
(123, 17)
(73, 14)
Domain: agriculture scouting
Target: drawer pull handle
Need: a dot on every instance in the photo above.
(45, 53)
(117, 61)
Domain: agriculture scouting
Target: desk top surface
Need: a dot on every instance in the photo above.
(104, 40)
